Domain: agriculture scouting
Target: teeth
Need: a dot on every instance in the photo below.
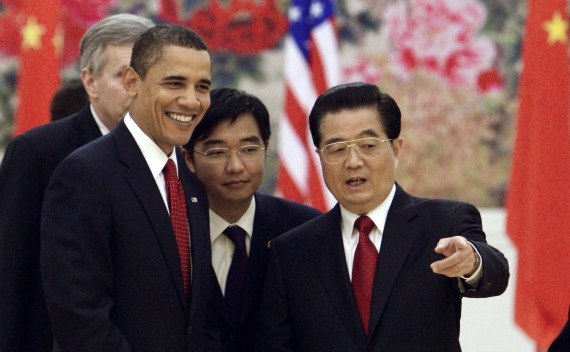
(181, 118)
(355, 182)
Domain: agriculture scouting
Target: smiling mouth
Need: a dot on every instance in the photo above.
(180, 117)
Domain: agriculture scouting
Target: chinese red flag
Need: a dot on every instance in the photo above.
(538, 198)
(38, 76)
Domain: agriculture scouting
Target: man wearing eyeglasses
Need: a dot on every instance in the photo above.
(383, 270)
(227, 153)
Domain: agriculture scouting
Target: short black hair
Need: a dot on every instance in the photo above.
(354, 96)
(69, 98)
(229, 104)
(148, 48)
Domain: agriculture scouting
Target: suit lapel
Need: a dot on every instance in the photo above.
(87, 129)
(220, 303)
(197, 209)
(400, 233)
(142, 183)
(257, 262)
(330, 263)
(258, 253)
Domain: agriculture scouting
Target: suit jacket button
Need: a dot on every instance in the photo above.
(190, 330)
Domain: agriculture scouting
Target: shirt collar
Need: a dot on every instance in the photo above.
(154, 156)
(218, 225)
(104, 130)
(378, 215)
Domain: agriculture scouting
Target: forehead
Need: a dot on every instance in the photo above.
(244, 128)
(348, 124)
(116, 56)
(181, 62)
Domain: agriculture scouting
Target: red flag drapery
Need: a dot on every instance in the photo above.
(538, 198)
(38, 76)
(311, 66)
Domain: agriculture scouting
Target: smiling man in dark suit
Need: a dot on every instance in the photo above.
(125, 242)
(28, 164)
(383, 270)
(227, 153)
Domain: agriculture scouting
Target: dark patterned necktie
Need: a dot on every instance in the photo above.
(236, 275)
(363, 268)
(179, 219)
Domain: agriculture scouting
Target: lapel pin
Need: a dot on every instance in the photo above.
(193, 199)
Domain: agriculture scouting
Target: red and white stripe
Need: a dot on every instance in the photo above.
(299, 174)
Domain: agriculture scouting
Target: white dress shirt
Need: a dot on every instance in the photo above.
(222, 247)
(104, 130)
(350, 234)
(154, 156)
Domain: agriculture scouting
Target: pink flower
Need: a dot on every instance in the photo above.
(440, 36)
(361, 71)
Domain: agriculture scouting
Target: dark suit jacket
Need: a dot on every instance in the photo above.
(28, 164)
(562, 341)
(110, 264)
(308, 302)
(273, 216)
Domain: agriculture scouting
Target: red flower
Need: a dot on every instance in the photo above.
(244, 27)
(489, 81)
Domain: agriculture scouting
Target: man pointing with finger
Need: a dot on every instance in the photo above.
(383, 270)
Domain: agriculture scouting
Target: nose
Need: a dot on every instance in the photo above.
(189, 98)
(234, 163)
(353, 158)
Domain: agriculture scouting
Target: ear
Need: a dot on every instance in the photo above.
(130, 80)
(189, 161)
(397, 148)
(89, 83)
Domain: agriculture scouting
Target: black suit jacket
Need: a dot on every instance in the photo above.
(562, 341)
(110, 264)
(26, 169)
(273, 217)
(308, 302)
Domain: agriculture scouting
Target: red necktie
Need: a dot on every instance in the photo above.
(179, 219)
(363, 268)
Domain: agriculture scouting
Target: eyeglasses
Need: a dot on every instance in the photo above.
(246, 152)
(369, 148)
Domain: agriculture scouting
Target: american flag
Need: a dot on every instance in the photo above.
(311, 66)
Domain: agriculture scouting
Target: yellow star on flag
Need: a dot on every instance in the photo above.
(32, 33)
(557, 29)
(58, 41)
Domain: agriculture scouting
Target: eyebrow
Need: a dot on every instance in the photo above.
(366, 133)
(173, 78)
(252, 139)
(206, 81)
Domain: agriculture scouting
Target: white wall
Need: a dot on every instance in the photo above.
(487, 325)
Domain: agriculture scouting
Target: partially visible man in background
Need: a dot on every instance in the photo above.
(69, 98)
(227, 152)
(27, 167)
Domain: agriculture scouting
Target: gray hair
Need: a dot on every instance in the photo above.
(119, 30)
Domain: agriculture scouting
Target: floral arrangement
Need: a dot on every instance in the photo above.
(451, 65)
